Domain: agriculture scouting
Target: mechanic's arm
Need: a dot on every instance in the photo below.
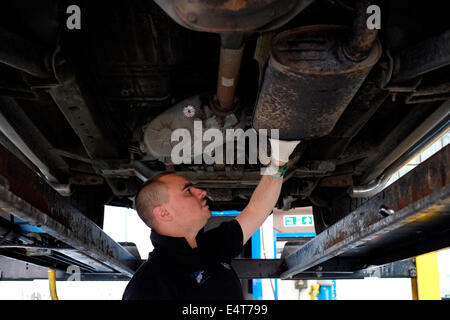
(267, 192)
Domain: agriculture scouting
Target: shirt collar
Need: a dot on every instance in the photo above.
(173, 244)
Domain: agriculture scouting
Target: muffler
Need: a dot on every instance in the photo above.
(310, 79)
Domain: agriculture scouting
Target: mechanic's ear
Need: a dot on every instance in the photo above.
(161, 214)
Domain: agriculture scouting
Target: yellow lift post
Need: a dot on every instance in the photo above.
(425, 286)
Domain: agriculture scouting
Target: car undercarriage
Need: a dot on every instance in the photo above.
(91, 106)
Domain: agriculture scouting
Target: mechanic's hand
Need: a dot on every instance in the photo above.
(281, 150)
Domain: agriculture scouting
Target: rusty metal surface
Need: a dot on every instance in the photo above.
(98, 140)
(310, 81)
(257, 268)
(422, 94)
(272, 268)
(80, 232)
(361, 39)
(219, 194)
(13, 269)
(229, 65)
(424, 57)
(136, 47)
(86, 179)
(363, 106)
(232, 15)
(420, 204)
(29, 198)
(226, 179)
(344, 180)
(64, 256)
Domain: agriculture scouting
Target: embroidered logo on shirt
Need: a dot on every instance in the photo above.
(225, 265)
(200, 276)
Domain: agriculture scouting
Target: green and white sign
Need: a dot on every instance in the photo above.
(298, 221)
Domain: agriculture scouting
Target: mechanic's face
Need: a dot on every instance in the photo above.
(186, 203)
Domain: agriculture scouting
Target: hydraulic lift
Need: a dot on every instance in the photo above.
(379, 238)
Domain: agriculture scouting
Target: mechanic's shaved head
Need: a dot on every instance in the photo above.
(151, 194)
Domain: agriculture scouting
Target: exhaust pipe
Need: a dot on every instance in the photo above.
(231, 50)
(361, 39)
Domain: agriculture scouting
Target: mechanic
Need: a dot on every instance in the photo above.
(188, 263)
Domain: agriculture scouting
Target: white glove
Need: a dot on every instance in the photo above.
(281, 149)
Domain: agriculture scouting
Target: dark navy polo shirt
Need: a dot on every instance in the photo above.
(175, 271)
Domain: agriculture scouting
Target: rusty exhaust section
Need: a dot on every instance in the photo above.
(224, 101)
(229, 66)
(310, 80)
(361, 39)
